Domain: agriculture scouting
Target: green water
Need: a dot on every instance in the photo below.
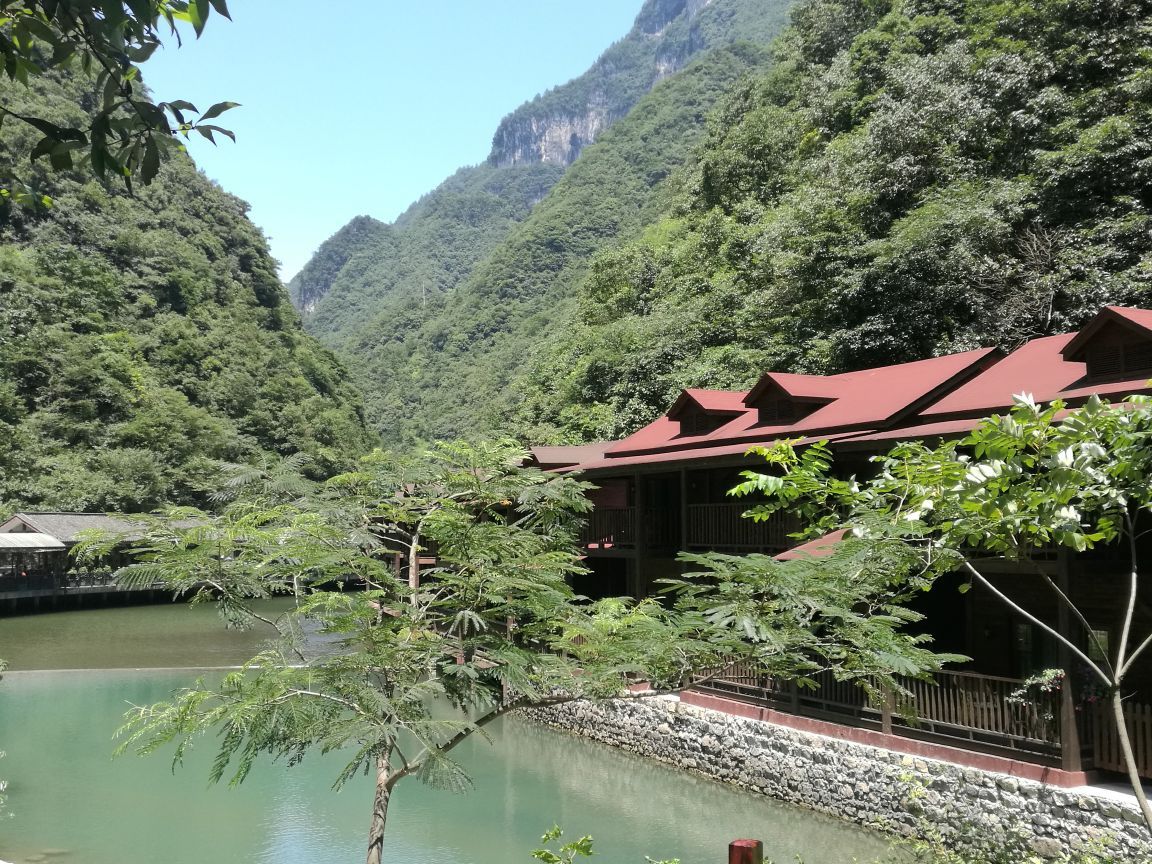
(74, 803)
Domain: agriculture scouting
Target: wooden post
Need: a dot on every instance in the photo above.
(745, 852)
(640, 527)
(1069, 729)
(888, 700)
(683, 545)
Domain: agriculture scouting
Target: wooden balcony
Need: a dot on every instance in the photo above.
(610, 529)
(616, 529)
(723, 528)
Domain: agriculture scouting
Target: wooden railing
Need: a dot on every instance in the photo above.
(972, 706)
(53, 582)
(960, 705)
(610, 528)
(616, 528)
(1106, 741)
(724, 527)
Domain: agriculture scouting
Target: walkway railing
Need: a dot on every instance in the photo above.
(56, 582)
(616, 528)
(610, 528)
(1106, 741)
(959, 707)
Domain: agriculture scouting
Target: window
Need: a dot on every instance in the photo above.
(1099, 645)
(699, 423)
(781, 411)
(1115, 359)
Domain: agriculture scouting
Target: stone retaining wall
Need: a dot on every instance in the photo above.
(907, 794)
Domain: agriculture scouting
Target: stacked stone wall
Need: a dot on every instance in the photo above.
(909, 795)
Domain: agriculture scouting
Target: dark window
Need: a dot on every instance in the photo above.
(699, 423)
(1104, 360)
(781, 411)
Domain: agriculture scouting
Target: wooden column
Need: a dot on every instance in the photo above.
(683, 509)
(745, 852)
(640, 505)
(1069, 729)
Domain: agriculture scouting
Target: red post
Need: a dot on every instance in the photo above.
(745, 852)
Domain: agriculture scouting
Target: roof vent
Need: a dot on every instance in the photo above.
(782, 412)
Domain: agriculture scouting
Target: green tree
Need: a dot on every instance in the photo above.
(418, 661)
(127, 130)
(1037, 479)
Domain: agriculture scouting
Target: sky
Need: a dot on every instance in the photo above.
(363, 106)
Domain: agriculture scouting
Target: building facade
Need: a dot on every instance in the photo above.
(663, 490)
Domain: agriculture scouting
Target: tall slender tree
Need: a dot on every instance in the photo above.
(465, 614)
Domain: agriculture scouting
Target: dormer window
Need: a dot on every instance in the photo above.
(1117, 343)
(783, 412)
(702, 412)
(1105, 360)
(781, 399)
(700, 423)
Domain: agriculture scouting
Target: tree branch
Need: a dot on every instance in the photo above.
(1019, 610)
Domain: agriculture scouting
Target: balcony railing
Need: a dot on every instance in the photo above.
(616, 528)
(723, 527)
(610, 528)
(40, 582)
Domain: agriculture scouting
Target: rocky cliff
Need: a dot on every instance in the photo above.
(557, 125)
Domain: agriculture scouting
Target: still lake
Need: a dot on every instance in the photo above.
(75, 673)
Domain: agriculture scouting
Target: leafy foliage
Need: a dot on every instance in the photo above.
(423, 658)
(126, 132)
(911, 178)
(145, 339)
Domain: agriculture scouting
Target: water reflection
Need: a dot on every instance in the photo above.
(69, 794)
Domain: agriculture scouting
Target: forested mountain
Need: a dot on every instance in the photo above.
(360, 273)
(913, 177)
(444, 371)
(384, 296)
(144, 339)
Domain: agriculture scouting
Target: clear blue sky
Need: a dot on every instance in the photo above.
(363, 106)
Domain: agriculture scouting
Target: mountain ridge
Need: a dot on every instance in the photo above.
(546, 126)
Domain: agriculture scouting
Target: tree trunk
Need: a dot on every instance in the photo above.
(1129, 759)
(379, 810)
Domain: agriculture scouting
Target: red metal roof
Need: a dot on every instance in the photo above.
(697, 453)
(941, 396)
(821, 547)
(1139, 320)
(866, 399)
(718, 401)
(800, 387)
(1038, 368)
(565, 456)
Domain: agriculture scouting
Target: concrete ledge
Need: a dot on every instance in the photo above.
(895, 743)
(860, 777)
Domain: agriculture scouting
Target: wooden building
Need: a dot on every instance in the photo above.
(663, 490)
(36, 564)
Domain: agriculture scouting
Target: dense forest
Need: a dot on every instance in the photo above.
(911, 178)
(145, 339)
